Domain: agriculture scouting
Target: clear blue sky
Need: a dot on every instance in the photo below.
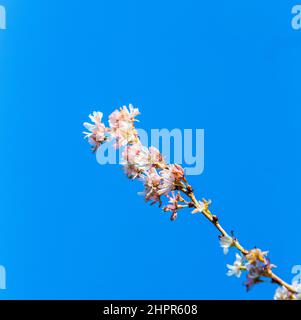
(71, 228)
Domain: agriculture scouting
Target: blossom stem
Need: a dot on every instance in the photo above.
(207, 213)
(162, 179)
(281, 282)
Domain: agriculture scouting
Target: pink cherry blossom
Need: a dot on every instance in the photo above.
(136, 160)
(97, 134)
(122, 126)
(156, 157)
(173, 205)
(152, 181)
(123, 115)
(171, 175)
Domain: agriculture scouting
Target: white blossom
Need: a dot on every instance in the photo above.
(225, 242)
(282, 293)
(201, 207)
(235, 269)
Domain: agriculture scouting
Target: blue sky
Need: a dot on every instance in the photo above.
(72, 229)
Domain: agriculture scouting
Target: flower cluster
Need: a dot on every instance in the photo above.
(167, 183)
(257, 265)
(121, 128)
(147, 164)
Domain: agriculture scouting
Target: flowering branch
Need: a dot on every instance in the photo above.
(167, 185)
